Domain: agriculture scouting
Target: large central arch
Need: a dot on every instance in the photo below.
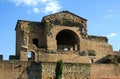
(67, 40)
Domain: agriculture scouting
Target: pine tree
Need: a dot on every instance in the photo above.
(58, 70)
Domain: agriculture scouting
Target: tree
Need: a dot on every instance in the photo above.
(58, 70)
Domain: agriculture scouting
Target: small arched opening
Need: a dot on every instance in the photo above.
(31, 56)
(67, 40)
(91, 61)
(35, 41)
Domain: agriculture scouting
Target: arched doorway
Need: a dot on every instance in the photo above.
(67, 40)
(31, 55)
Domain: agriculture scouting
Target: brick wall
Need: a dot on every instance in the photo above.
(105, 71)
(70, 71)
(46, 70)
(20, 70)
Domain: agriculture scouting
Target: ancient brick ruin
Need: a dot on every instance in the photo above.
(60, 36)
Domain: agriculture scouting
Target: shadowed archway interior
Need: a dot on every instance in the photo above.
(67, 40)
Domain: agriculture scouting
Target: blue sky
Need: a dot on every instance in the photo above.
(103, 18)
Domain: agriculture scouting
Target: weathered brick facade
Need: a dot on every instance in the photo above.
(60, 36)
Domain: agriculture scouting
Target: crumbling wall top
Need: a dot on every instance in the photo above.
(64, 18)
(24, 24)
(98, 38)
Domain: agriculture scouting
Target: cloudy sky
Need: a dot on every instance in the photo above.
(103, 18)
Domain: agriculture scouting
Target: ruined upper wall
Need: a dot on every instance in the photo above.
(27, 25)
(65, 18)
(26, 32)
(98, 38)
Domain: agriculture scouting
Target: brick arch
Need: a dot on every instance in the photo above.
(67, 40)
(31, 54)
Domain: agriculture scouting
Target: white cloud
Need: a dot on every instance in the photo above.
(111, 35)
(25, 2)
(47, 6)
(36, 10)
(52, 7)
(44, 1)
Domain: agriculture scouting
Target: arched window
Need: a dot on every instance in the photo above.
(35, 41)
(31, 55)
(67, 40)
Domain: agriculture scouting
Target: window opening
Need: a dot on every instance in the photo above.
(35, 42)
(81, 21)
(65, 48)
(91, 60)
(67, 40)
(31, 56)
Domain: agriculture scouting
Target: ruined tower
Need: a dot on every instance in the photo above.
(60, 33)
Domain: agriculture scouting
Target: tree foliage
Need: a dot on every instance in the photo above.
(58, 69)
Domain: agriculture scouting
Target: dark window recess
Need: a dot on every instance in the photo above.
(67, 40)
(35, 42)
(82, 22)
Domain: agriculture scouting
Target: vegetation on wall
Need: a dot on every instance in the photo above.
(58, 70)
